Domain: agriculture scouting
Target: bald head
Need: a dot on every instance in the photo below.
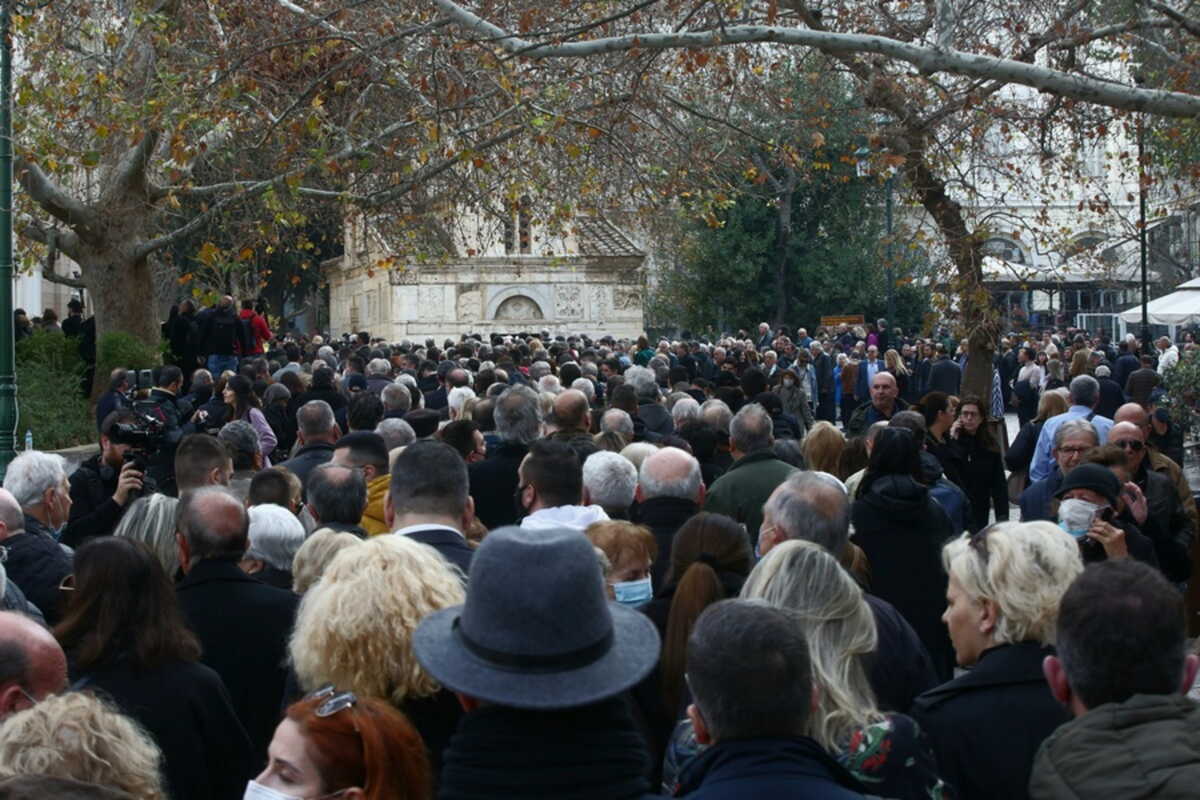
(670, 472)
(32, 663)
(12, 520)
(212, 525)
(571, 410)
(1133, 412)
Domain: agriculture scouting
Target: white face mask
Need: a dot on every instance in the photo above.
(1075, 516)
(788, 382)
(256, 791)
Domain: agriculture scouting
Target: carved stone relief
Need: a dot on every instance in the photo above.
(467, 309)
(430, 302)
(568, 302)
(626, 297)
(519, 307)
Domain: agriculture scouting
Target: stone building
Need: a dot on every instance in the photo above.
(503, 278)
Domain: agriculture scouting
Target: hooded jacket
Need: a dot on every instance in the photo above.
(1148, 746)
(897, 523)
(576, 518)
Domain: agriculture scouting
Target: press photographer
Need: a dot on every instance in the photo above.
(165, 405)
(104, 485)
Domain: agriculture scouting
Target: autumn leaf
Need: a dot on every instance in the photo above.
(209, 253)
(185, 278)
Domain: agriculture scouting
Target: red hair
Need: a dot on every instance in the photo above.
(370, 745)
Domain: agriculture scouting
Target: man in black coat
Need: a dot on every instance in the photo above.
(243, 624)
(429, 500)
(317, 431)
(823, 366)
(34, 508)
(171, 411)
(1127, 363)
(1112, 396)
(494, 480)
(670, 491)
(103, 486)
(945, 375)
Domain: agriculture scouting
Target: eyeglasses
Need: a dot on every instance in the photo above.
(1131, 444)
(67, 584)
(1074, 451)
(334, 701)
(978, 542)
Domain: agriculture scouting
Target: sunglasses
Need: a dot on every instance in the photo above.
(1131, 444)
(334, 701)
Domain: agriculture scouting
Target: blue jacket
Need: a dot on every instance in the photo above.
(749, 769)
(1035, 500)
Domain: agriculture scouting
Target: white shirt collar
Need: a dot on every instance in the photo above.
(427, 527)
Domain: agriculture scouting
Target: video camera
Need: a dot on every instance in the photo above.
(144, 437)
(141, 381)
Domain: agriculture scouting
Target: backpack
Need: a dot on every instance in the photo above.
(224, 333)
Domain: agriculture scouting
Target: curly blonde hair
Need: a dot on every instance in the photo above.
(78, 736)
(1022, 567)
(315, 555)
(355, 625)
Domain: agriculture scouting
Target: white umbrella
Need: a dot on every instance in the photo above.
(1180, 307)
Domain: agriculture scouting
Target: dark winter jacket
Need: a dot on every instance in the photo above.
(986, 725)
(983, 476)
(741, 492)
(308, 458)
(900, 668)
(867, 415)
(93, 510)
(1146, 747)
(38, 564)
(657, 420)
(952, 499)
(944, 376)
(663, 516)
(494, 483)
(1037, 497)
(901, 529)
(780, 769)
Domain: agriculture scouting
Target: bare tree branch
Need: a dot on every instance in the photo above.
(926, 59)
(56, 200)
(130, 170)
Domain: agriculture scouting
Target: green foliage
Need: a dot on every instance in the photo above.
(120, 349)
(1182, 383)
(49, 398)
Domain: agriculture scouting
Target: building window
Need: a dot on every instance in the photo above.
(1003, 248)
(518, 227)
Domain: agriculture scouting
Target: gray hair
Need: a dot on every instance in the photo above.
(716, 414)
(685, 410)
(327, 354)
(610, 480)
(31, 473)
(517, 416)
(1084, 390)
(812, 506)
(538, 370)
(585, 386)
(315, 418)
(644, 381)
(240, 436)
(617, 420)
(395, 397)
(151, 521)
(549, 384)
(275, 536)
(379, 366)
(661, 474)
(407, 381)
(395, 433)
(276, 392)
(1073, 426)
(751, 429)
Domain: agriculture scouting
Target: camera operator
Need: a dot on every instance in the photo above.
(104, 485)
(168, 408)
(114, 398)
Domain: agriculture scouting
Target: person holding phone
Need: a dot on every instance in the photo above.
(1091, 506)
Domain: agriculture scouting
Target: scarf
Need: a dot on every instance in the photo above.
(591, 752)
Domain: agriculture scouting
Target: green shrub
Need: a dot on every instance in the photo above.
(50, 402)
(118, 349)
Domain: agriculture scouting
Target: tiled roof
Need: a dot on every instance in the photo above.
(599, 237)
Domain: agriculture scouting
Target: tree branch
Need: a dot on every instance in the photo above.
(926, 59)
(130, 171)
(54, 199)
(1189, 24)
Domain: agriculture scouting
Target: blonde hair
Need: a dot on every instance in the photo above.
(1022, 567)
(823, 447)
(78, 736)
(354, 628)
(894, 362)
(804, 578)
(1079, 363)
(1051, 405)
(314, 556)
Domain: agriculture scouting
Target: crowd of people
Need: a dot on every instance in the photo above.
(535, 566)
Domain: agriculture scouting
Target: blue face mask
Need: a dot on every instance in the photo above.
(634, 593)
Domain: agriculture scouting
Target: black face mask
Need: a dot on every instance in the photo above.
(518, 504)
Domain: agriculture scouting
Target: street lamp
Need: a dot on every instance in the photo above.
(863, 169)
(1146, 346)
(8, 358)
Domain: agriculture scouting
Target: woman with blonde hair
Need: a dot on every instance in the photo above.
(894, 364)
(883, 751)
(354, 629)
(78, 736)
(1006, 583)
(823, 447)
(315, 555)
(1079, 363)
(1020, 452)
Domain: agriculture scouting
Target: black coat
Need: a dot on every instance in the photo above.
(187, 710)
(664, 516)
(243, 626)
(450, 545)
(93, 510)
(1037, 497)
(900, 668)
(778, 769)
(1020, 452)
(337, 401)
(37, 564)
(657, 420)
(494, 482)
(307, 459)
(944, 376)
(284, 427)
(1127, 364)
(1112, 397)
(983, 480)
(986, 725)
(902, 529)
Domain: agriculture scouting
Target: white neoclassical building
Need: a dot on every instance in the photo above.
(506, 276)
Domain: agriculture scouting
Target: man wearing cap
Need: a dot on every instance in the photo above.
(1165, 523)
(539, 660)
(1100, 534)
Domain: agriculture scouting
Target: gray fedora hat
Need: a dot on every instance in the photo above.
(537, 630)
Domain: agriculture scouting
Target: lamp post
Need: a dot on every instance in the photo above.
(1147, 347)
(8, 371)
(863, 168)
